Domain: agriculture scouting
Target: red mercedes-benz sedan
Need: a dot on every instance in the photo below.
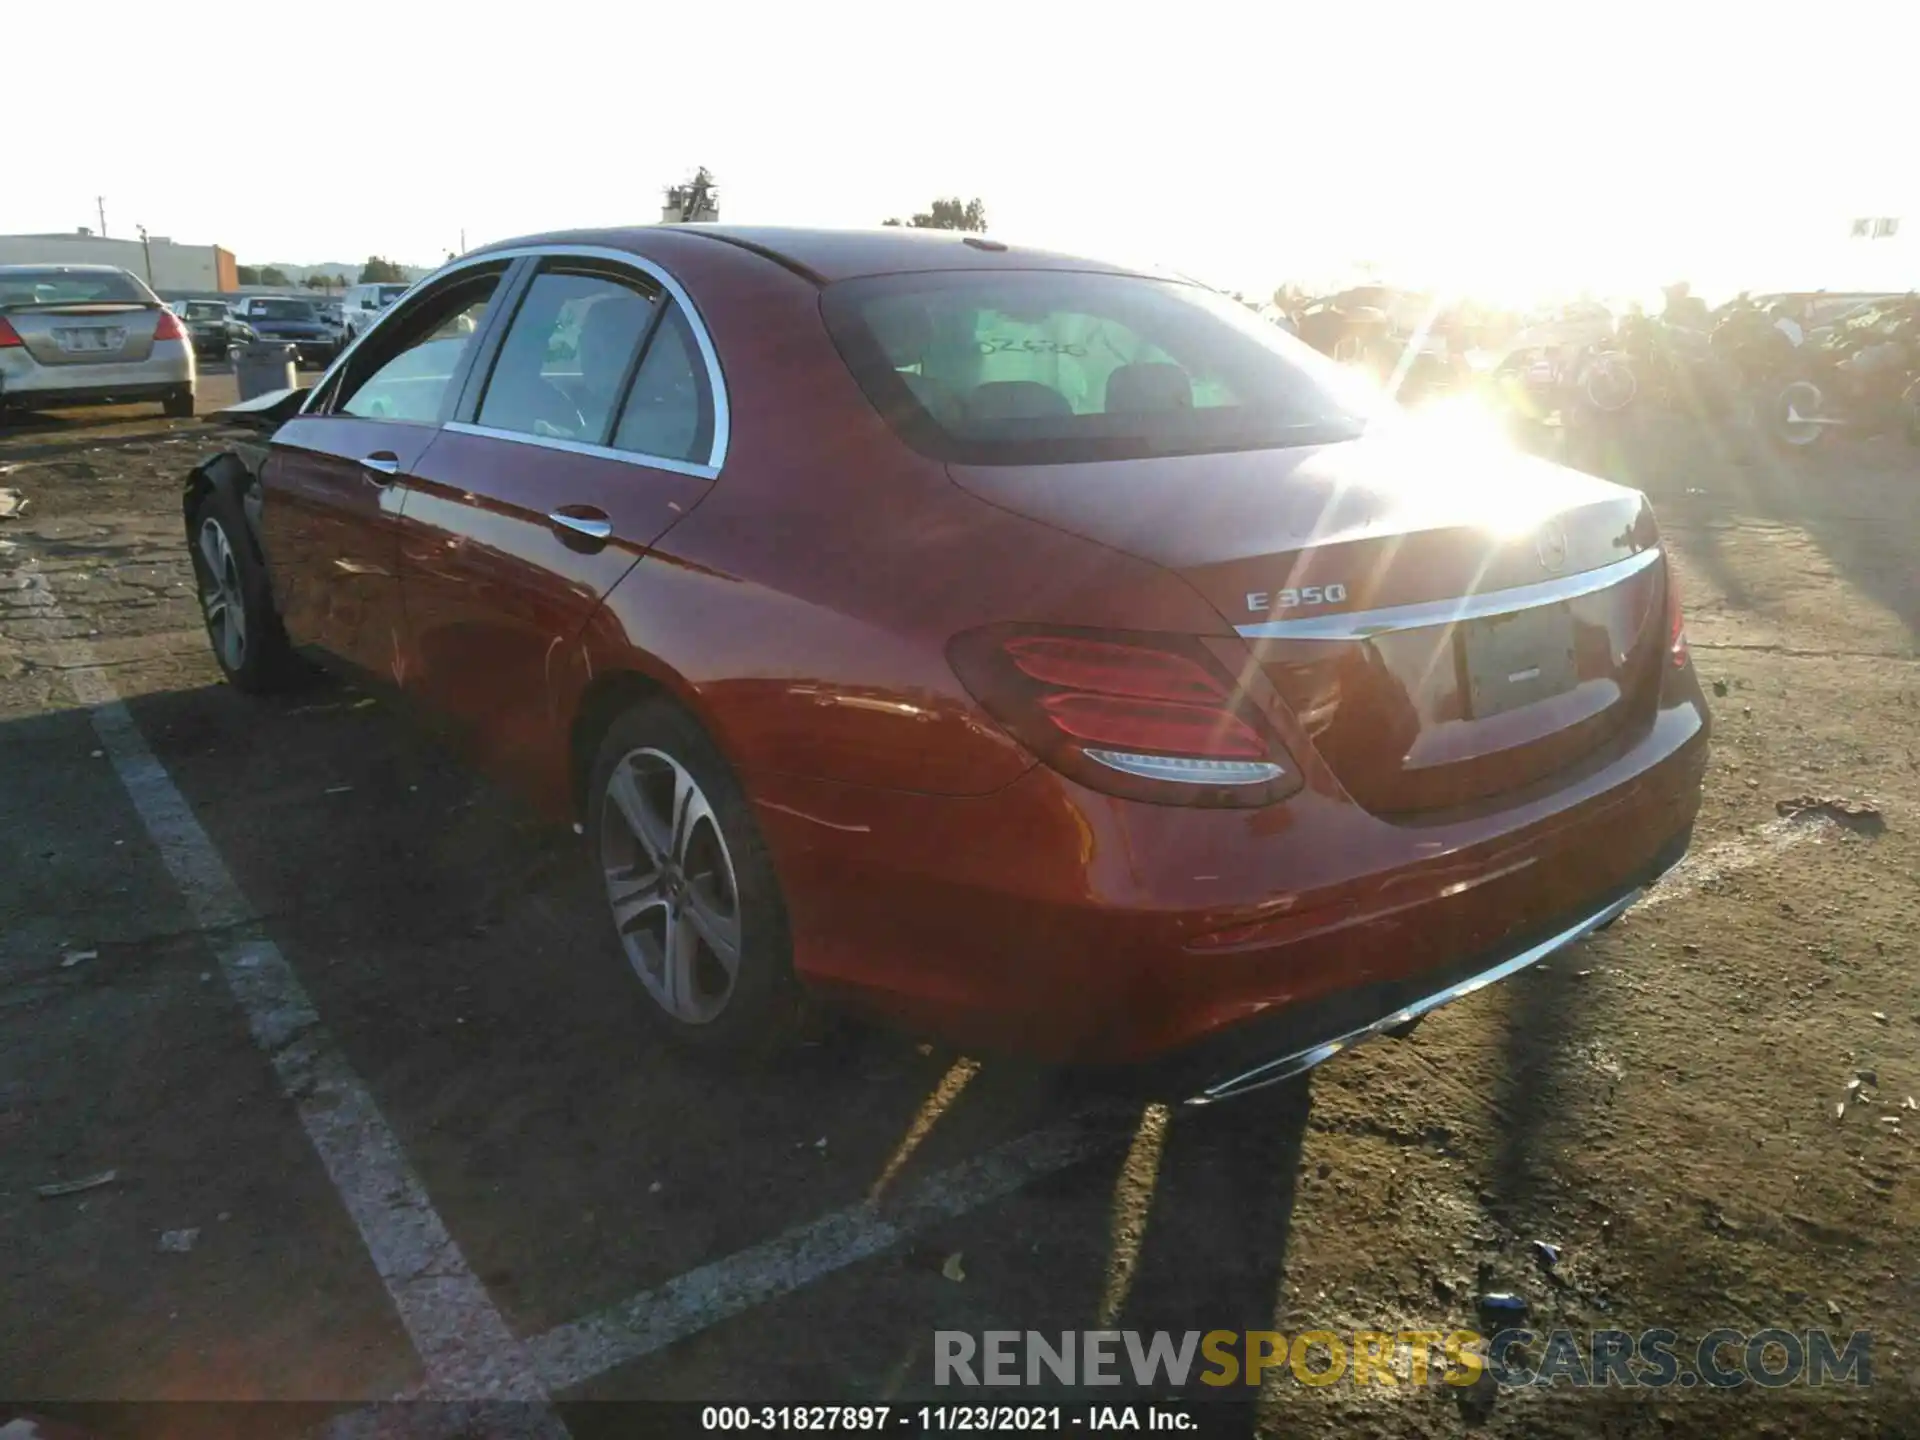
(1041, 653)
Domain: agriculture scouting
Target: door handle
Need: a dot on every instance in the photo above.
(592, 529)
(382, 462)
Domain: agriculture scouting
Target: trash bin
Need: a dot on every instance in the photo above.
(264, 366)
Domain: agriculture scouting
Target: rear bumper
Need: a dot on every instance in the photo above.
(1256, 1055)
(27, 384)
(1052, 921)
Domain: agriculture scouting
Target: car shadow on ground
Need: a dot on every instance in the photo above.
(458, 952)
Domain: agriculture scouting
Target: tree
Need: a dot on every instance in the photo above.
(949, 214)
(273, 275)
(247, 274)
(379, 270)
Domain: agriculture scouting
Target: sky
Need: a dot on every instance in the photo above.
(1490, 148)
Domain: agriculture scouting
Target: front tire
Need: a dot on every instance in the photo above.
(236, 601)
(694, 899)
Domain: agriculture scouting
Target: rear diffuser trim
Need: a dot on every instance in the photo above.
(1286, 1067)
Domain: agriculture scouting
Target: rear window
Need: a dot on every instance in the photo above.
(1039, 367)
(282, 310)
(19, 288)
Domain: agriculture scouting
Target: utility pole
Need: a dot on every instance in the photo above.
(147, 250)
(463, 239)
(101, 202)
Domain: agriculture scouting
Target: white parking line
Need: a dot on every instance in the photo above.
(702, 1298)
(464, 1345)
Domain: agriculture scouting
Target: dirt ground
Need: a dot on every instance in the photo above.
(1708, 1110)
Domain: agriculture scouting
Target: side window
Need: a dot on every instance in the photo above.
(568, 353)
(407, 375)
(669, 411)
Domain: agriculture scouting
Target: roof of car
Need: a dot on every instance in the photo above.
(67, 269)
(828, 255)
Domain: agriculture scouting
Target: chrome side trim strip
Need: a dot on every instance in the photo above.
(722, 415)
(1288, 1066)
(1362, 624)
(580, 447)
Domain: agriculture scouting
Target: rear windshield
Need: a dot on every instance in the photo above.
(206, 310)
(19, 288)
(1046, 367)
(283, 310)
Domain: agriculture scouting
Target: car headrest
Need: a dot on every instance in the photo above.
(608, 332)
(1150, 386)
(1015, 400)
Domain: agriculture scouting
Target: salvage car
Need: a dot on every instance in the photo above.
(275, 317)
(362, 304)
(214, 328)
(1036, 652)
(89, 335)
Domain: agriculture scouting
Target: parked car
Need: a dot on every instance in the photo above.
(362, 305)
(279, 317)
(89, 335)
(213, 326)
(332, 317)
(1035, 652)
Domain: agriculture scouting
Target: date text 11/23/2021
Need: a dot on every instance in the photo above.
(930, 1419)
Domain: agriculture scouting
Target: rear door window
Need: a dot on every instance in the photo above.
(568, 356)
(669, 411)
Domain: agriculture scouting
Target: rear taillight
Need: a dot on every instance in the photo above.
(168, 327)
(1676, 623)
(1148, 717)
(8, 335)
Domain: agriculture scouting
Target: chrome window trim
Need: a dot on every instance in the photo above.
(716, 383)
(1364, 624)
(581, 447)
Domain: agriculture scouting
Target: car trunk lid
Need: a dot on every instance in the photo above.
(1446, 626)
(98, 333)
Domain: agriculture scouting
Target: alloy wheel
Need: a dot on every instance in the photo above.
(671, 885)
(221, 598)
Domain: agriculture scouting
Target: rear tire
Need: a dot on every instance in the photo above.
(696, 904)
(179, 406)
(236, 602)
(1795, 416)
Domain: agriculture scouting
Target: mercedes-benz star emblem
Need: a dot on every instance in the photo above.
(1551, 546)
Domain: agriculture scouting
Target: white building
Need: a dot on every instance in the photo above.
(162, 263)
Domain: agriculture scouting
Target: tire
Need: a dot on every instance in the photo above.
(673, 921)
(231, 581)
(179, 406)
(1608, 384)
(1794, 417)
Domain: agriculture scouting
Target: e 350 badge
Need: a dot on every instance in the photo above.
(1294, 598)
